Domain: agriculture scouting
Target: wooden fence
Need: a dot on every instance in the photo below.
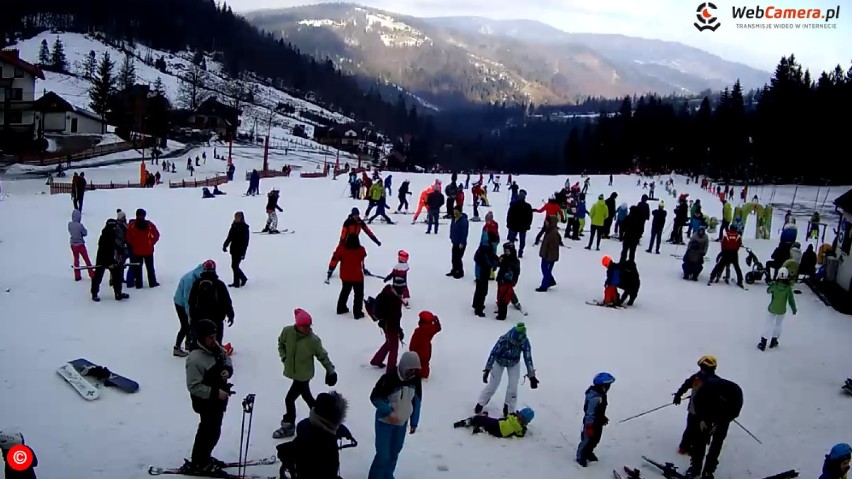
(267, 174)
(58, 188)
(54, 158)
(317, 174)
(215, 181)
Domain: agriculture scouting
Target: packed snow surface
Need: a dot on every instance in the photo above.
(793, 401)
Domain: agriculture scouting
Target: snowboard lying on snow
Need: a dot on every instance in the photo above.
(86, 368)
(84, 388)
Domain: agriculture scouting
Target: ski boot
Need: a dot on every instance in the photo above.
(286, 430)
(773, 343)
(462, 423)
(591, 457)
(762, 345)
(505, 410)
(177, 351)
(692, 472)
(95, 298)
(121, 297)
(478, 408)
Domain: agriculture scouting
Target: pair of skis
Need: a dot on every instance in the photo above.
(604, 305)
(157, 471)
(669, 471)
(280, 232)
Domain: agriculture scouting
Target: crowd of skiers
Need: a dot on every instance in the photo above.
(203, 306)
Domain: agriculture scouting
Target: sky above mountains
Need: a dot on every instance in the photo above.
(760, 46)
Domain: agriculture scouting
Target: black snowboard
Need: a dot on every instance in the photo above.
(87, 368)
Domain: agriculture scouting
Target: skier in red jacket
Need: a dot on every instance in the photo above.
(141, 236)
(421, 341)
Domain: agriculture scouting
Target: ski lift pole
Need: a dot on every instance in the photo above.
(826, 196)
(747, 431)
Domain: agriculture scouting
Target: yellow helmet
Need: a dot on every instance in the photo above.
(708, 361)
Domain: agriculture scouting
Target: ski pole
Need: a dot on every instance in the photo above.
(248, 408)
(650, 411)
(747, 431)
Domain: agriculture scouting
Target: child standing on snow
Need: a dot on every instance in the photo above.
(507, 278)
(352, 257)
(387, 310)
(78, 244)
(421, 340)
(594, 417)
(613, 279)
(399, 277)
(272, 217)
(782, 294)
(507, 353)
(513, 425)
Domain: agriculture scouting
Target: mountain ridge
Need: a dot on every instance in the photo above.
(475, 59)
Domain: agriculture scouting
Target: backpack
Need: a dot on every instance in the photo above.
(718, 400)
(208, 295)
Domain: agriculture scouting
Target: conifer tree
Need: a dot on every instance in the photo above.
(44, 54)
(57, 59)
(102, 85)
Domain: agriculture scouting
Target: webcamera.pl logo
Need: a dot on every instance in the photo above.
(707, 19)
(773, 17)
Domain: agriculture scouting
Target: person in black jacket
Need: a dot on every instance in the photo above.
(507, 278)
(402, 194)
(238, 240)
(314, 453)
(628, 282)
(644, 213)
(271, 208)
(632, 227)
(110, 257)
(610, 204)
(657, 225)
(519, 220)
(450, 191)
(209, 299)
(208, 369)
(79, 191)
(681, 213)
(434, 202)
(707, 365)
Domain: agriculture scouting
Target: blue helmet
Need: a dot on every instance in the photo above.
(603, 378)
(528, 414)
(840, 452)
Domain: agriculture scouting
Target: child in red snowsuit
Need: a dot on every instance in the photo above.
(421, 341)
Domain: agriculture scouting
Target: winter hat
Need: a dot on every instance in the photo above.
(489, 216)
(11, 438)
(526, 414)
(355, 212)
(302, 317)
(141, 213)
(402, 256)
(332, 407)
(522, 193)
(518, 333)
(427, 317)
(205, 328)
(840, 452)
(606, 261)
(120, 215)
(407, 362)
(601, 196)
(208, 265)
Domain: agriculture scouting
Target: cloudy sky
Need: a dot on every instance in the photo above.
(660, 19)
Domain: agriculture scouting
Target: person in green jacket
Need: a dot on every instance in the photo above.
(374, 195)
(782, 295)
(297, 347)
(598, 214)
(727, 216)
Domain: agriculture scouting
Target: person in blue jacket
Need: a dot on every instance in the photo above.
(836, 464)
(388, 185)
(594, 418)
(397, 397)
(182, 307)
(506, 355)
(459, 229)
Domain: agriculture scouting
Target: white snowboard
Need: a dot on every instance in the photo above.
(78, 382)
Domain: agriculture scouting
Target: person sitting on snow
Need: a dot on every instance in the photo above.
(513, 425)
(205, 193)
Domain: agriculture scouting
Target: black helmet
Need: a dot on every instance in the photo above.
(205, 328)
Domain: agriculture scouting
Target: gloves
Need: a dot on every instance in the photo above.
(331, 379)
(676, 400)
(230, 321)
(485, 373)
(590, 430)
(533, 382)
(605, 421)
(378, 243)
(794, 312)
(224, 249)
(328, 276)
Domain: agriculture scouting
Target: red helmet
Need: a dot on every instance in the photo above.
(209, 265)
(402, 256)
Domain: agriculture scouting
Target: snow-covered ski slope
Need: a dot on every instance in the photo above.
(74, 88)
(793, 401)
